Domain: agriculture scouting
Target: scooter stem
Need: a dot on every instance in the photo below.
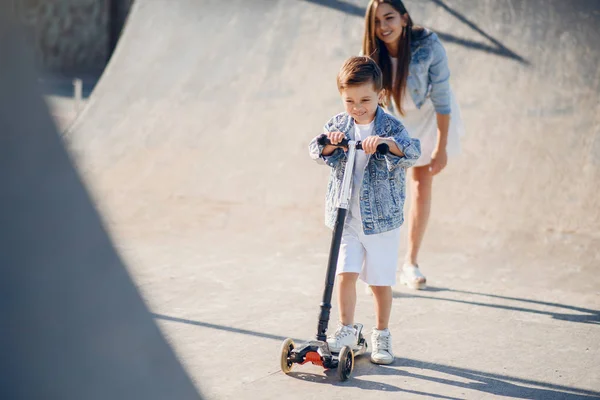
(342, 210)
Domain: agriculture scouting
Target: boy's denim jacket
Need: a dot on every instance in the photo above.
(429, 75)
(382, 191)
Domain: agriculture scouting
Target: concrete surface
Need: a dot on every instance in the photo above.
(73, 324)
(194, 144)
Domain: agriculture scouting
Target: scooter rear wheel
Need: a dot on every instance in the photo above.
(346, 363)
(286, 351)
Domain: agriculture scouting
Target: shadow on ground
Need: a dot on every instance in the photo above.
(585, 315)
(406, 368)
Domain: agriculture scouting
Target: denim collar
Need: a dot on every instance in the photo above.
(383, 127)
(417, 37)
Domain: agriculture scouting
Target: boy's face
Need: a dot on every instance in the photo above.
(361, 102)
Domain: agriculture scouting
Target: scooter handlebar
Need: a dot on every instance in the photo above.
(323, 140)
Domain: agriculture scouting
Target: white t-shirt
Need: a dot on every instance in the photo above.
(360, 162)
(407, 101)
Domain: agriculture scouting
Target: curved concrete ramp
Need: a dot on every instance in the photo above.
(195, 144)
(200, 84)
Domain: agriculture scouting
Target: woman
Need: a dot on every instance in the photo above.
(416, 79)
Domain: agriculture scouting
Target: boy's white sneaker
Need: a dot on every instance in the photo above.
(381, 347)
(411, 276)
(345, 335)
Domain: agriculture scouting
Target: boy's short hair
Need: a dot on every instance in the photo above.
(360, 70)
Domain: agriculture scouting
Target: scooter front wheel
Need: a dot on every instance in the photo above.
(346, 363)
(286, 351)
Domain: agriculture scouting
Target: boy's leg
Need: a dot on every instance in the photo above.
(380, 272)
(346, 334)
(347, 296)
(381, 338)
(383, 305)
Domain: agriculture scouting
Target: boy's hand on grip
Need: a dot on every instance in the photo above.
(370, 144)
(335, 137)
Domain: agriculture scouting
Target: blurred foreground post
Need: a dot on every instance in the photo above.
(73, 324)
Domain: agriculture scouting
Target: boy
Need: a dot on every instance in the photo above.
(369, 247)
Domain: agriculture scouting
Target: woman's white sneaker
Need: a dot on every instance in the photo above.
(411, 276)
(381, 345)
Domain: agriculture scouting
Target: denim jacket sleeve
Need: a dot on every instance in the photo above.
(439, 78)
(409, 146)
(315, 150)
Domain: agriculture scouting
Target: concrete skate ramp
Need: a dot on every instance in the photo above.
(213, 101)
(195, 144)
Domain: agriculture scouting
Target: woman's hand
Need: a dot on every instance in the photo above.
(439, 159)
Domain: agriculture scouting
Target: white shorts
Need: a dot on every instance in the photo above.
(373, 257)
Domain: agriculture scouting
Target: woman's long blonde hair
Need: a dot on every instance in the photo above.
(375, 48)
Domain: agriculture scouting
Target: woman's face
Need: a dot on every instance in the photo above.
(388, 24)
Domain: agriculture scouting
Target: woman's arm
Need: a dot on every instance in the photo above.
(439, 78)
(439, 157)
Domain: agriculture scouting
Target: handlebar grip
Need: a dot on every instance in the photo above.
(323, 140)
(383, 149)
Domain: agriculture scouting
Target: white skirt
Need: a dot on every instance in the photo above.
(421, 123)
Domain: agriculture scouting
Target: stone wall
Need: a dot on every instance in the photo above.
(118, 17)
(72, 35)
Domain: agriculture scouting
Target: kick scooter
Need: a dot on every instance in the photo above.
(317, 351)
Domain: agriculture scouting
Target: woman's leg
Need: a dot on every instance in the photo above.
(420, 181)
(347, 296)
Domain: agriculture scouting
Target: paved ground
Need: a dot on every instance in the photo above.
(194, 144)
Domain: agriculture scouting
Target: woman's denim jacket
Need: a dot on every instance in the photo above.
(382, 191)
(429, 75)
